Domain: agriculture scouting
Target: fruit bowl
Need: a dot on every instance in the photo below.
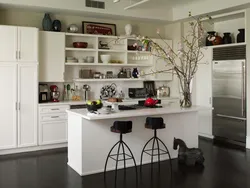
(93, 106)
(80, 44)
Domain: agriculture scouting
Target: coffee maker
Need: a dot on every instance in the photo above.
(54, 93)
(43, 93)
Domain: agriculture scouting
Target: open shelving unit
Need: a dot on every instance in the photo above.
(118, 50)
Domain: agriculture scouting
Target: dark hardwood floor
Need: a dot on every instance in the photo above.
(224, 168)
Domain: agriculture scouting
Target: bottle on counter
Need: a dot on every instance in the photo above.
(65, 93)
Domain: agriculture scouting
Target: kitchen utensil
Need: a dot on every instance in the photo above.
(109, 74)
(108, 91)
(129, 73)
(80, 44)
(122, 74)
(103, 45)
(163, 91)
(105, 58)
(90, 59)
(86, 91)
(72, 28)
(97, 75)
(150, 102)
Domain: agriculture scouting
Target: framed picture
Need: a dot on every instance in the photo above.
(98, 28)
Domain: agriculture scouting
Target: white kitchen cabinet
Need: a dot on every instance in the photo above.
(8, 101)
(53, 122)
(8, 44)
(203, 93)
(53, 132)
(28, 100)
(18, 44)
(27, 44)
(51, 56)
(160, 64)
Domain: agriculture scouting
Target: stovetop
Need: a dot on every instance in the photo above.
(135, 107)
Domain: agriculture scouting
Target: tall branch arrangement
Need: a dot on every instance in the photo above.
(184, 61)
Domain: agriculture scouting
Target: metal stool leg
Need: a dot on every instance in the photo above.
(134, 162)
(170, 160)
(152, 156)
(159, 155)
(142, 154)
(124, 160)
(117, 161)
(105, 168)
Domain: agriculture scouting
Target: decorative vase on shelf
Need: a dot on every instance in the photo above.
(210, 38)
(57, 26)
(227, 39)
(241, 36)
(135, 73)
(218, 40)
(47, 22)
(186, 90)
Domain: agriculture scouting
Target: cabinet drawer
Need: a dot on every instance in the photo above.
(53, 117)
(52, 132)
(53, 109)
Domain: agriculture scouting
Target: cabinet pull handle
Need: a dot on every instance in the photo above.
(16, 106)
(55, 109)
(19, 54)
(19, 106)
(16, 55)
(54, 116)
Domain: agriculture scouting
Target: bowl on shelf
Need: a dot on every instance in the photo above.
(132, 48)
(90, 59)
(105, 58)
(80, 44)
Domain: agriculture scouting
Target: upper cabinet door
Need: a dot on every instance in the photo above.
(28, 104)
(51, 56)
(27, 44)
(8, 44)
(8, 107)
(160, 64)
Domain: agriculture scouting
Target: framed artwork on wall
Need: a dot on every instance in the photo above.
(98, 28)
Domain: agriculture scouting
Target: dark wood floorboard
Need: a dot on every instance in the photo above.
(224, 168)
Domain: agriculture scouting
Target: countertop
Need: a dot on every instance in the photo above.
(167, 109)
(84, 102)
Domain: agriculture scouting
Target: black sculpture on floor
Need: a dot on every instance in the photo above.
(188, 156)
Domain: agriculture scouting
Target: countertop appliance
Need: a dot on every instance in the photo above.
(229, 101)
(43, 93)
(54, 93)
(136, 93)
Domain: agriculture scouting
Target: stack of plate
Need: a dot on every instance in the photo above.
(71, 60)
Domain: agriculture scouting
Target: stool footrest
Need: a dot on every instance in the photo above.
(126, 155)
(162, 152)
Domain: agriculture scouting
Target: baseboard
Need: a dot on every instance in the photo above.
(32, 149)
(206, 135)
(248, 142)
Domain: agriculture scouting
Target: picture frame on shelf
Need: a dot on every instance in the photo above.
(97, 28)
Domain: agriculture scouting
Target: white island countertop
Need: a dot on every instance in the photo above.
(166, 109)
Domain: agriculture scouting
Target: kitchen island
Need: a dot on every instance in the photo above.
(90, 138)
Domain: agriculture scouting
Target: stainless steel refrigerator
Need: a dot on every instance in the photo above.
(229, 101)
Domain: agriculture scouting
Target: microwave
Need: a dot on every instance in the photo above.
(137, 93)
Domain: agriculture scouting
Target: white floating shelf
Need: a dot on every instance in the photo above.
(90, 35)
(107, 65)
(81, 49)
(118, 80)
(110, 80)
(116, 51)
(139, 52)
(226, 45)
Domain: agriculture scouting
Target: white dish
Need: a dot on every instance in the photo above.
(105, 58)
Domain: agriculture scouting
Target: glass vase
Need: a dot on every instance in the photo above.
(186, 99)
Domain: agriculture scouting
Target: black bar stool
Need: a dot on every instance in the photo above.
(121, 127)
(155, 123)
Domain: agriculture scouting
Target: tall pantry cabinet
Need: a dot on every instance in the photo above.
(19, 86)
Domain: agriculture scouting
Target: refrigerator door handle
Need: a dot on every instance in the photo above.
(243, 92)
(231, 117)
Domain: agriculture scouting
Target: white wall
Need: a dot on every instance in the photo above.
(34, 19)
(149, 10)
(208, 7)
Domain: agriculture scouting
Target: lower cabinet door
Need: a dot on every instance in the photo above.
(28, 104)
(54, 132)
(8, 105)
